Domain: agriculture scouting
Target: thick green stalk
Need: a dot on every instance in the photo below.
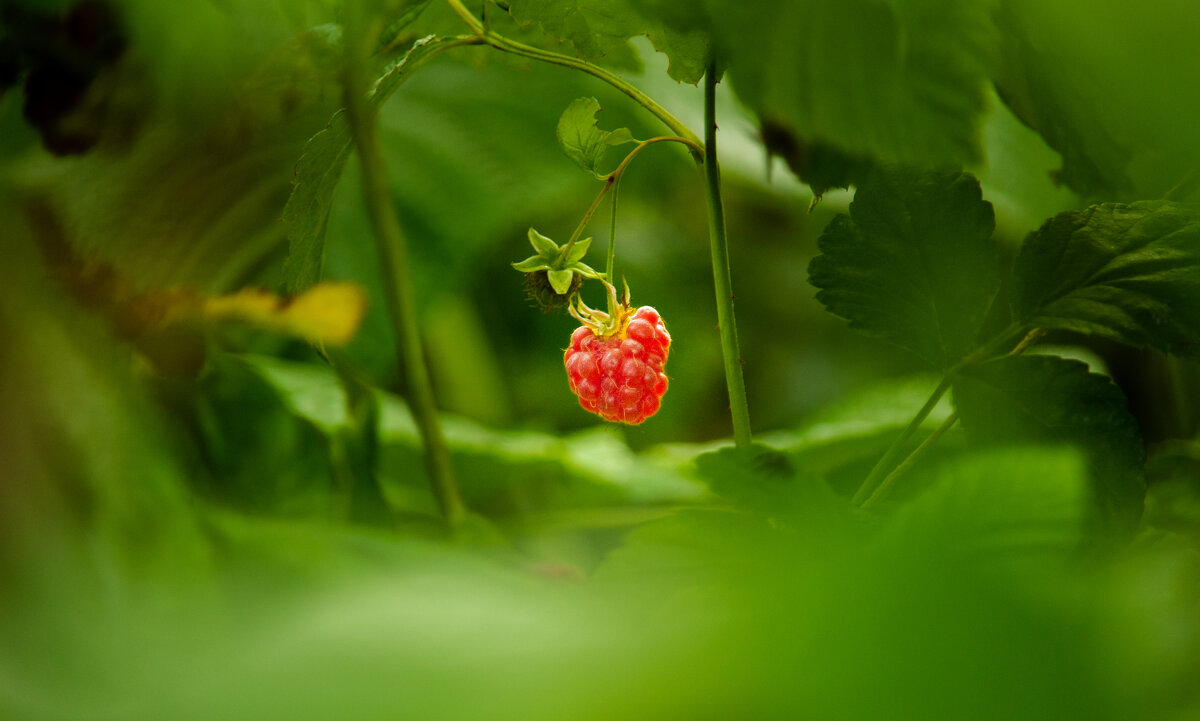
(398, 294)
(719, 246)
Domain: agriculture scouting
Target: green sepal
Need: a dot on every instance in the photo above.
(560, 280)
(542, 245)
(579, 250)
(532, 264)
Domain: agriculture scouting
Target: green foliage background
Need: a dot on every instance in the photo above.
(220, 523)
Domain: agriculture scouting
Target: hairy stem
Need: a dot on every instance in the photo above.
(719, 246)
(401, 305)
(511, 46)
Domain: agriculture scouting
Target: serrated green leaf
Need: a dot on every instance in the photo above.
(1047, 399)
(599, 30)
(307, 211)
(914, 262)
(893, 80)
(320, 168)
(579, 250)
(560, 280)
(1130, 273)
(582, 140)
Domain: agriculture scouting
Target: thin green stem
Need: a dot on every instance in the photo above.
(610, 182)
(400, 303)
(880, 470)
(612, 233)
(587, 217)
(511, 46)
(886, 486)
(873, 489)
(719, 246)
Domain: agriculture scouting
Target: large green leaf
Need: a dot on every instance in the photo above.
(914, 262)
(1047, 399)
(1126, 272)
(897, 80)
(1108, 84)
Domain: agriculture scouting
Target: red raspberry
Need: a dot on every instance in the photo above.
(620, 378)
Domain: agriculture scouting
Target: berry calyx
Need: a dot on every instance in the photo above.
(619, 375)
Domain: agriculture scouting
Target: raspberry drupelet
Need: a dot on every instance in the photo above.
(620, 378)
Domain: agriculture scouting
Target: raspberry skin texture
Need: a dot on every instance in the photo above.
(620, 378)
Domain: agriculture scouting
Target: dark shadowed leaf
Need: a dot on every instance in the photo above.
(1047, 399)
(1126, 272)
(914, 262)
(898, 80)
(1107, 84)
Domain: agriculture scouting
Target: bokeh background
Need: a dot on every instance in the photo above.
(211, 523)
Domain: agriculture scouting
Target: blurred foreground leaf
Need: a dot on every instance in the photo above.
(1047, 399)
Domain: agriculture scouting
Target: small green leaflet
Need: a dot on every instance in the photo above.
(320, 168)
(582, 140)
(1047, 399)
(914, 262)
(1130, 273)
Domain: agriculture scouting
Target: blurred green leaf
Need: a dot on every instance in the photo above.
(320, 167)
(763, 480)
(1009, 505)
(1130, 273)
(1100, 80)
(914, 262)
(895, 80)
(499, 471)
(307, 211)
(582, 139)
(1046, 399)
